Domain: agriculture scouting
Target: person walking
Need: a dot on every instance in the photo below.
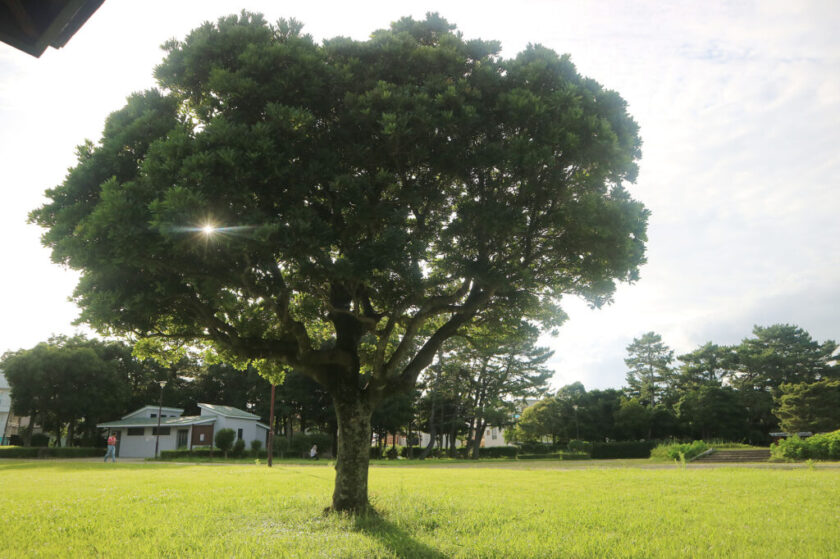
(112, 448)
(313, 452)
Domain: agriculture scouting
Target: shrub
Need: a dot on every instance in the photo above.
(50, 452)
(375, 453)
(200, 453)
(40, 439)
(392, 452)
(672, 451)
(552, 456)
(256, 447)
(498, 452)
(491, 452)
(302, 442)
(280, 446)
(577, 446)
(531, 447)
(622, 449)
(224, 440)
(415, 451)
(825, 446)
(238, 448)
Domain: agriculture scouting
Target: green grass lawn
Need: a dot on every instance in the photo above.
(532, 509)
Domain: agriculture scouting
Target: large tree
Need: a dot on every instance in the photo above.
(66, 383)
(345, 208)
(782, 353)
(500, 365)
(705, 366)
(649, 368)
(809, 406)
(713, 412)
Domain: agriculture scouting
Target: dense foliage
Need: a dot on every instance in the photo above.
(811, 406)
(824, 446)
(778, 379)
(346, 208)
(678, 451)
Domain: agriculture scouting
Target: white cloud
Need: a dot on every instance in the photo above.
(739, 105)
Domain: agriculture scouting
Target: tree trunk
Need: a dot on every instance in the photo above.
(479, 435)
(27, 434)
(353, 458)
(432, 433)
(409, 441)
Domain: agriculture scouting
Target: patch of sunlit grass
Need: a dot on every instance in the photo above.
(75, 509)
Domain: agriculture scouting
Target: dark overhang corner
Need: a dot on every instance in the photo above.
(34, 25)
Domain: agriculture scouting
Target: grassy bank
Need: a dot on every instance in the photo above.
(58, 509)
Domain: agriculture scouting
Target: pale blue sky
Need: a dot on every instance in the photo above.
(739, 107)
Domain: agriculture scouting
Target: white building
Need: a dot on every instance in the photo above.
(5, 407)
(136, 432)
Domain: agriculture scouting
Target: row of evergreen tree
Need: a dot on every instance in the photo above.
(779, 379)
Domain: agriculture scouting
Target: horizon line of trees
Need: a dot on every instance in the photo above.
(779, 379)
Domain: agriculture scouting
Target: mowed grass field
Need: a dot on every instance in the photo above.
(91, 509)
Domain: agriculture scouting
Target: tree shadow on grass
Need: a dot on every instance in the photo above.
(394, 538)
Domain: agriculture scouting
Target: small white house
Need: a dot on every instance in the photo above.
(137, 431)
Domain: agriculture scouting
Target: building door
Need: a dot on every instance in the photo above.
(182, 438)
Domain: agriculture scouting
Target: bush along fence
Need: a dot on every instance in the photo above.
(825, 446)
(298, 447)
(622, 449)
(574, 450)
(51, 452)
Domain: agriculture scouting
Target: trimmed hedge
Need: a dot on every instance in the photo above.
(204, 453)
(51, 452)
(498, 452)
(532, 447)
(301, 443)
(555, 456)
(622, 449)
(825, 446)
(490, 452)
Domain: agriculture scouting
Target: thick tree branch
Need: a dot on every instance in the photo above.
(408, 377)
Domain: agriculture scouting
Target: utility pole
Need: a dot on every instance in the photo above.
(271, 427)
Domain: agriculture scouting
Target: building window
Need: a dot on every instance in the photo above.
(163, 431)
(239, 433)
(136, 431)
(153, 415)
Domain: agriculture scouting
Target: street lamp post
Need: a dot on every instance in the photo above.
(162, 383)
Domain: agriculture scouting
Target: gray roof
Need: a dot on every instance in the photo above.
(228, 411)
(164, 421)
(179, 411)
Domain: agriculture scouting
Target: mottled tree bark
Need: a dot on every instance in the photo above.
(353, 458)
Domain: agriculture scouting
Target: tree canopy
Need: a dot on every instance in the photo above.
(70, 382)
(344, 208)
(649, 363)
